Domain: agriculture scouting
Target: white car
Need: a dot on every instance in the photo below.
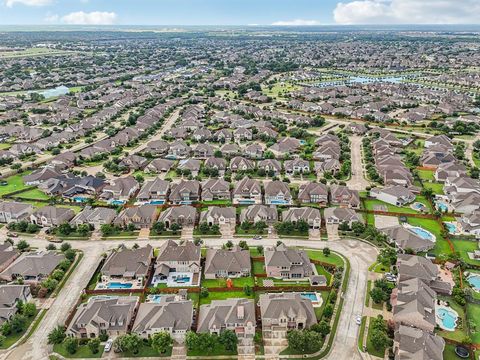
(358, 320)
(108, 345)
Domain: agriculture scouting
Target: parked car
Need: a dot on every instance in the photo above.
(358, 320)
(108, 345)
(258, 237)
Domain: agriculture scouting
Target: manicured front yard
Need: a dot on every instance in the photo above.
(370, 349)
(14, 337)
(218, 350)
(82, 352)
(146, 351)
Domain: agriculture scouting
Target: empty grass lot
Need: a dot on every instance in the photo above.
(14, 183)
(220, 283)
(222, 295)
(332, 259)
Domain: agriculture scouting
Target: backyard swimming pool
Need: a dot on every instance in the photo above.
(474, 281)
(314, 297)
(447, 318)
(118, 285)
(424, 234)
(418, 206)
(442, 206)
(451, 227)
(117, 202)
(157, 202)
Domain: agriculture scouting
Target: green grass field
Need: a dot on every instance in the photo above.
(473, 314)
(34, 194)
(82, 352)
(240, 282)
(222, 295)
(370, 349)
(333, 258)
(14, 183)
(426, 175)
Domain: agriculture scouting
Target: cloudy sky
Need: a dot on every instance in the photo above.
(238, 12)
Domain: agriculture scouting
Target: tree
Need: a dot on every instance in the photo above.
(29, 309)
(203, 227)
(18, 323)
(50, 284)
(83, 229)
(358, 227)
(159, 227)
(94, 345)
(323, 328)
(107, 229)
(162, 341)
(22, 245)
(243, 244)
(70, 254)
(387, 256)
(344, 226)
(71, 345)
(260, 249)
(328, 311)
(2, 340)
(127, 342)
(305, 341)
(191, 340)
(326, 251)
(228, 339)
(174, 227)
(377, 295)
(58, 274)
(64, 229)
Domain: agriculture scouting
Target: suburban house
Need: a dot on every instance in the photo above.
(413, 266)
(247, 191)
(219, 164)
(239, 163)
(49, 216)
(7, 255)
(395, 195)
(216, 215)
(310, 215)
(413, 343)
(450, 170)
(344, 197)
(14, 211)
(407, 239)
(190, 166)
(414, 304)
(127, 265)
(277, 193)
(312, 192)
(10, 296)
(296, 166)
(94, 216)
(32, 267)
(470, 223)
(338, 215)
(271, 167)
(227, 263)
(287, 263)
(282, 312)
(170, 314)
(215, 189)
(120, 190)
(185, 192)
(177, 258)
(154, 191)
(233, 314)
(142, 216)
(41, 175)
(256, 213)
(439, 140)
(157, 166)
(184, 215)
(111, 315)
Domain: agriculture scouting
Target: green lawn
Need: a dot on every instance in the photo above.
(5, 146)
(437, 188)
(449, 352)
(378, 268)
(322, 271)
(217, 202)
(332, 259)
(218, 350)
(14, 337)
(82, 352)
(441, 245)
(240, 282)
(473, 315)
(361, 333)
(279, 282)
(367, 295)
(370, 204)
(460, 332)
(464, 247)
(370, 349)
(146, 351)
(319, 310)
(222, 295)
(258, 267)
(426, 175)
(14, 183)
(33, 194)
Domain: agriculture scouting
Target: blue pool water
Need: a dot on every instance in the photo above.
(117, 285)
(117, 202)
(474, 280)
(309, 296)
(278, 202)
(183, 279)
(442, 207)
(155, 298)
(157, 202)
(424, 234)
(418, 206)
(79, 199)
(452, 228)
(447, 318)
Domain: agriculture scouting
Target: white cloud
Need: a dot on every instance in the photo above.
(51, 18)
(407, 12)
(296, 22)
(11, 3)
(91, 18)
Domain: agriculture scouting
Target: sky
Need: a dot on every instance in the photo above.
(238, 12)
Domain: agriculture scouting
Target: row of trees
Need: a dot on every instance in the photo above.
(206, 342)
(18, 323)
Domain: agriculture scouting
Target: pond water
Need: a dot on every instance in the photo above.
(58, 91)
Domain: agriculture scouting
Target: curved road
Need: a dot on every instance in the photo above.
(360, 255)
